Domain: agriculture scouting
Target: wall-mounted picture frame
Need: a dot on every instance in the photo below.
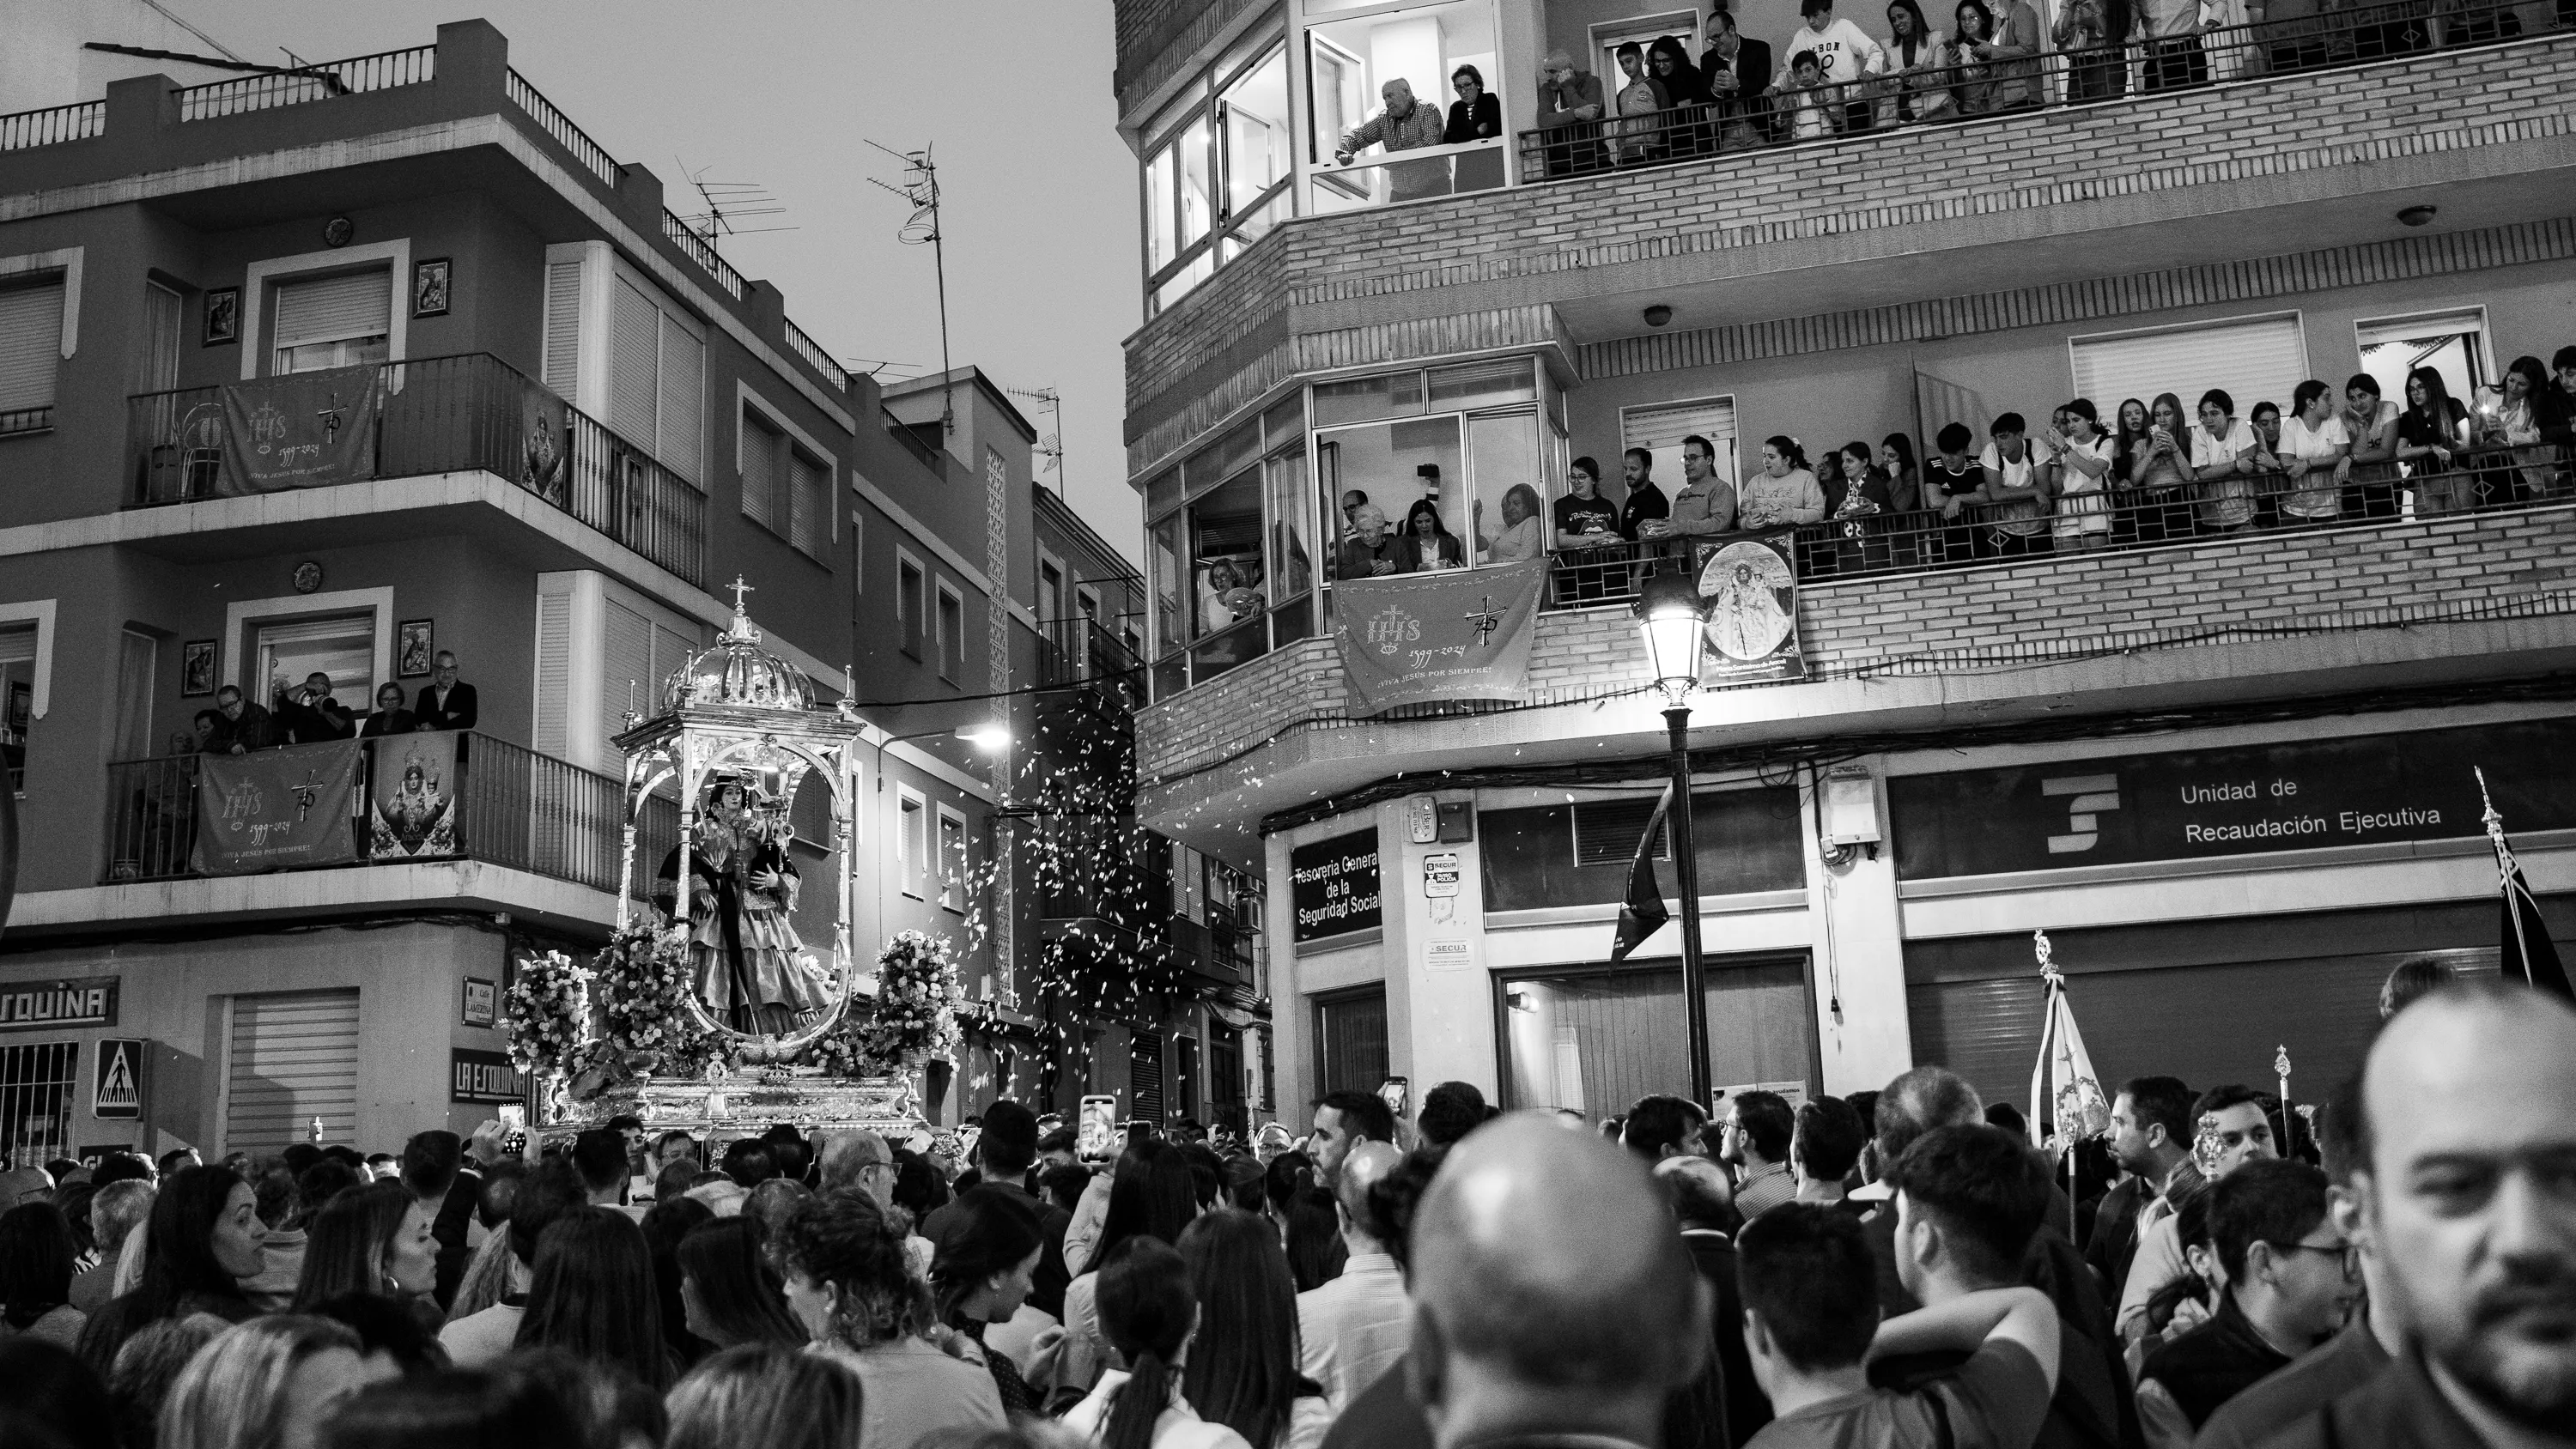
(415, 643)
(429, 287)
(197, 668)
(482, 1001)
(21, 708)
(223, 316)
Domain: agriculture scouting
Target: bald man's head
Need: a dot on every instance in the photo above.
(1547, 1272)
(1918, 1101)
(1363, 1167)
(2469, 1133)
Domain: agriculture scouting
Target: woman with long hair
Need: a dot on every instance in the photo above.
(1150, 1312)
(592, 1296)
(2429, 437)
(1242, 1370)
(2156, 502)
(666, 1225)
(1522, 535)
(2531, 416)
(269, 1382)
(1427, 544)
(522, 1404)
(730, 1295)
(851, 1284)
(989, 1248)
(374, 1239)
(1917, 87)
(1152, 1196)
(1972, 24)
(766, 1396)
(203, 1237)
(1313, 1240)
(36, 1256)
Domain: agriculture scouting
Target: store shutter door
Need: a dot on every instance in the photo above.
(1660, 430)
(294, 1058)
(683, 400)
(634, 364)
(1145, 1076)
(2253, 361)
(330, 309)
(563, 328)
(31, 344)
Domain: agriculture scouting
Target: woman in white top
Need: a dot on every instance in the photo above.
(1242, 1371)
(850, 1281)
(1150, 1314)
(1521, 535)
(1918, 60)
(2083, 518)
(1843, 51)
(1784, 491)
(2317, 454)
(2221, 465)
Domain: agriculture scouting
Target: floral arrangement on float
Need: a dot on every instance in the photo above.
(913, 1020)
(648, 1025)
(543, 1012)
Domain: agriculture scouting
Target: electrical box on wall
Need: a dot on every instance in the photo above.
(1849, 807)
(1457, 822)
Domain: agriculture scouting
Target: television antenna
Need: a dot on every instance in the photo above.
(920, 188)
(1051, 446)
(728, 204)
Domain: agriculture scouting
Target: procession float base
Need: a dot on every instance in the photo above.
(748, 1104)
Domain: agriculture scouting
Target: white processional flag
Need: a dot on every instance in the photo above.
(2063, 1090)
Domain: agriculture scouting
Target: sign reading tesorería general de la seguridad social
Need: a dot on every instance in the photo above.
(1333, 885)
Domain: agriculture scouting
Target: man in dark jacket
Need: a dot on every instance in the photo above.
(1004, 1154)
(311, 715)
(1704, 1203)
(244, 726)
(1738, 71)
(444, 704)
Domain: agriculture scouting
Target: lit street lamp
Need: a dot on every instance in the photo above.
(1672, 617)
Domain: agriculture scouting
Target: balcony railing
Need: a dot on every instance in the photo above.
(1080, 649)
(52, 125)
(592, 155)
(1937, 89)
(2123, 519)
(815, 357)
(513, 808)
(447, 415)
(703, 252)
(415, 66)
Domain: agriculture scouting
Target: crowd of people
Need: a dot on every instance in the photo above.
(1902, 1267)
(308, 713)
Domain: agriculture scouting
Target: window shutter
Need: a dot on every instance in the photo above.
(764, 482)
(563, 327)
(31, 345)
(2253, 361)
(1606, 832)
(634, 365)
(671, 649)
(1661, 428)
(333, 309)
(683, 401)
(554, 673)
(813, 503)
(626, 653)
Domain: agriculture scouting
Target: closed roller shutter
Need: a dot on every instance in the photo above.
(634, 364)
(626, 671)
(294, 1058)
(1145, 1076)
(813, 503)
(683, 387)
(2256, 360)
(554, 669)
(1661, 428)
(563, 327)
(764, 474)
(334, 309)
(31, 345)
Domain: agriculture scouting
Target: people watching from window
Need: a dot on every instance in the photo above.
(1638, 100)
(1917, 87)
(1427, 544)
(2220, 464)
(390, 718)
(2083, 457)
(1585, 519)
(1228, 597)
(309, 715)
(1844, 53)
(1736, 70)
(1646, 513)
(1785, 492)
(2430, 435)
(1811, 107)
(2316, 454)
(444, 703)
(1706, 503)
(2014, 482)
(1369, 550)
(2096, 65)
(1477, 114)
(1404, 124)
(1523, 534)
(1569, 97)
(1351, 502)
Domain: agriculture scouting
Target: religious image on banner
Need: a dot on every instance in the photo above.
(276, 809)
(411, 796)
(1752, 594)
(303, 430)
(1453, 634)
(541, 459)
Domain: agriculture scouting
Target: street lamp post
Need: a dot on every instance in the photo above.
(990, 738)
(1671, 616)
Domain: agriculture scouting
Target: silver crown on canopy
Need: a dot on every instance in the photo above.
(738, 672)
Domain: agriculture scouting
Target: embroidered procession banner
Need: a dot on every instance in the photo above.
(276, 809)
(1752, 593)
(1455, 634)
(303, 430)
(411, 796)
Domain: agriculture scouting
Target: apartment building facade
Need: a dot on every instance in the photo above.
(2227, 771)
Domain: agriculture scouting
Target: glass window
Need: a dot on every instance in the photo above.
(1216, 172)
(1162, 491)
(1167, 594)
(1509, 479)
(1255, 109)
(1350, 64)
(343, 648)
(1226, 572)
(1162, 244)
(1292, 562)
(1226, 456)
(1481, 384)
(1286, 421)
(1389, 395)
(1390, 467)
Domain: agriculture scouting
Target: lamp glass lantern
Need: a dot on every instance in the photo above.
(1672, 618)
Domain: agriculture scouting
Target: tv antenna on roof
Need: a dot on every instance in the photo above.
(728, 204)
(920, 187)
(1051, 446)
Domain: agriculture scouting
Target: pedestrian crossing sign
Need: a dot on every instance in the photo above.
(119, 1088)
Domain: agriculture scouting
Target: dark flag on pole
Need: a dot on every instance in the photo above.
(1643, 913)
(2527, 947)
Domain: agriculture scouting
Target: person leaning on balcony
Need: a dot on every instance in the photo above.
(1953, 484)
(2371, 421)
(1647, 512)
(2157, 504)
(1706, 503)
(2170, 32)
(1569, 103)
(2430, 434)
(2014, 480)
(2220, 465)
(1477, 115)
(444, 704)
(390, 717)
(311, 715)
(1785, 492)
(2083, 477)
(2013, 51)
(1918, 66)
(1585, 519)
(1843, 51)
(1636, 104)
(2317, 454)
(2095, 68)
(1405, 124)
(1369, 551)
(1688, 128)
(1735, 69)
(245, 726)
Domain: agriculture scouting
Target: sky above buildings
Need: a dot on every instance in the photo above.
(1039, 194)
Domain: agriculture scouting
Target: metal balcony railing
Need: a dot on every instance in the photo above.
(1079, 649)
(703, 252)
(446, 415)
(1947, 85)
(54, 124)
(513, 808)
(417, 65)
(593, 156)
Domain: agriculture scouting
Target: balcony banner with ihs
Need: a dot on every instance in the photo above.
(303, 430)
(1454, 634)
(411, 796)
(277, 809)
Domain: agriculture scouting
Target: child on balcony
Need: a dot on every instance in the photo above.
(1810, 104)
